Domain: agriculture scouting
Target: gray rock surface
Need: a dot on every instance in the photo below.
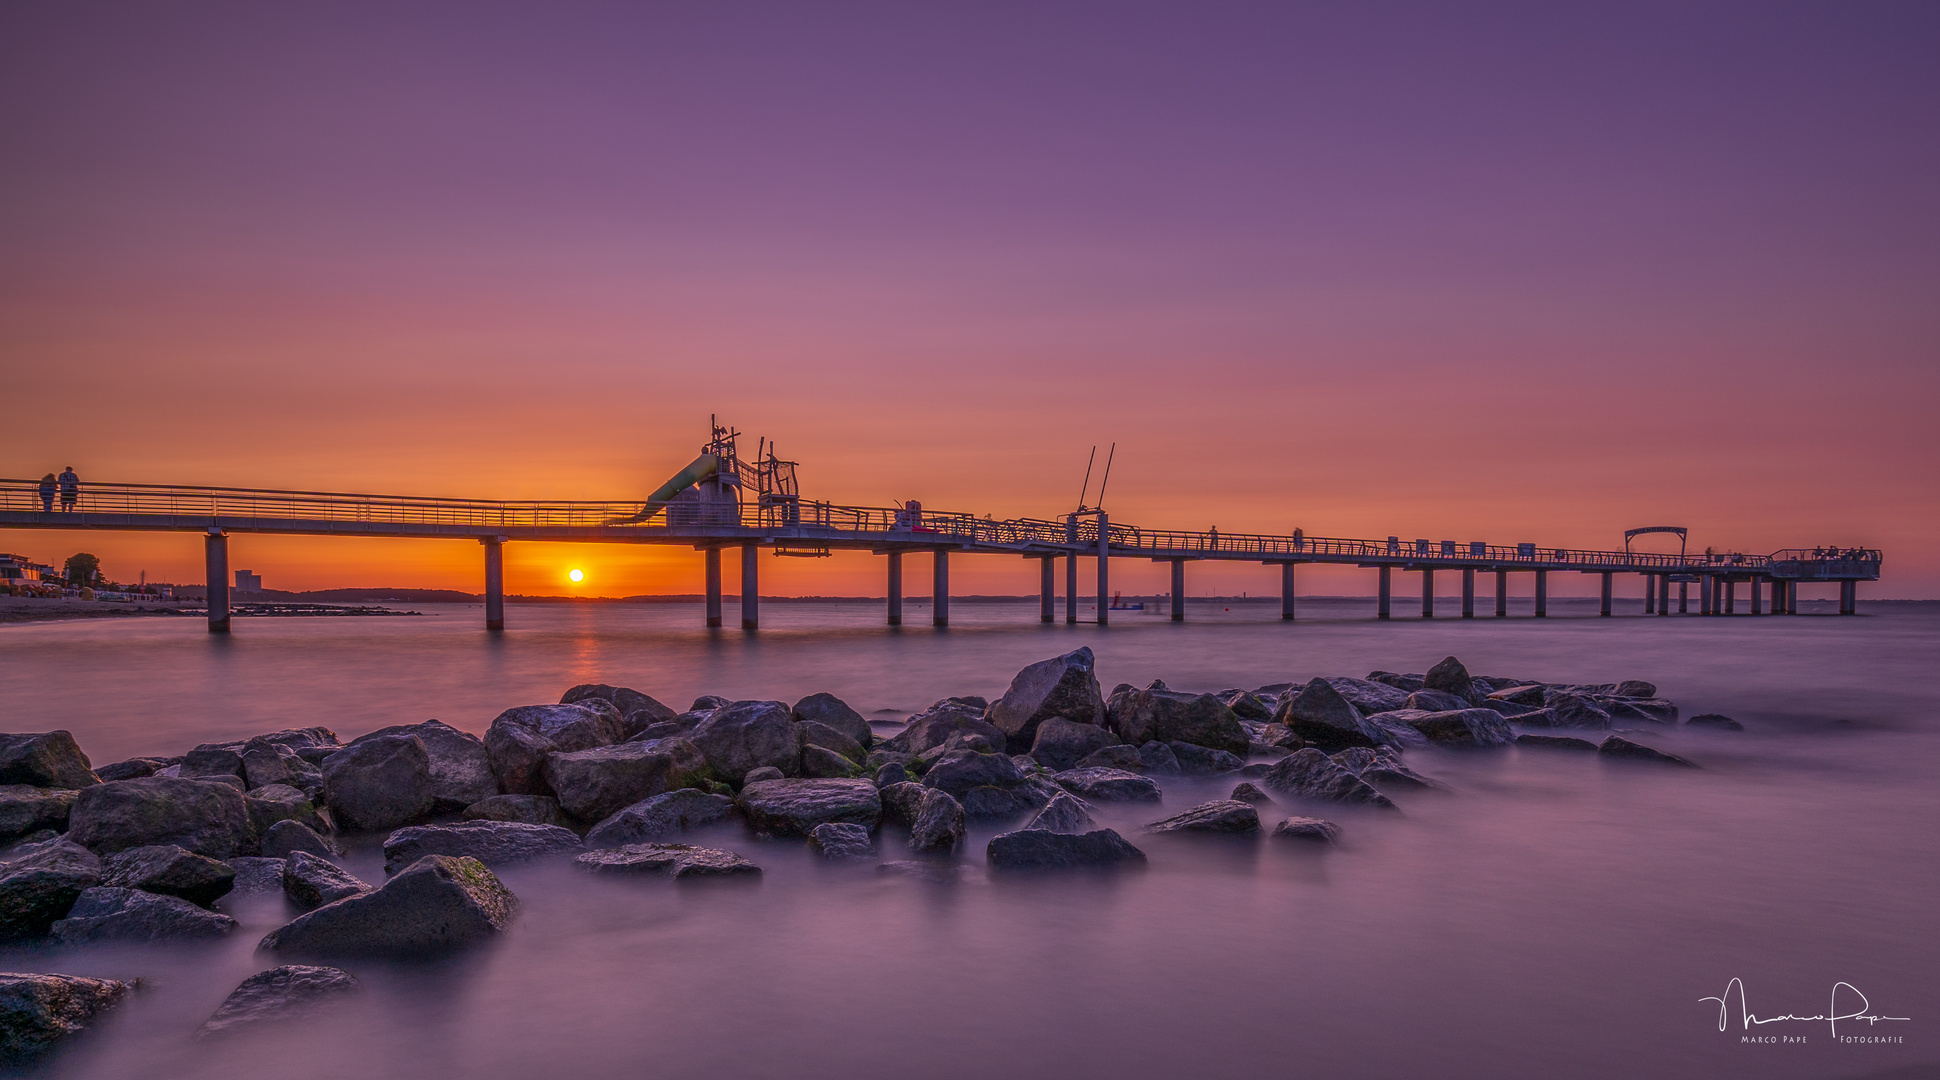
(255, 874)
(1204, 761)
(1116, 757)
(1248, 706)
(891, 772)
(105, 913)
(662, 815)
(1451, 677)
(1065, 813)
(493, 843)
(40, 1012)
(1554, 742)
(935, 725)
(1382, 768)
(1063, 686)
(1061, 743)
(281, 993)
(1310, 774)
(794, 807)
(461, 768)
(1616, 746)
(823, 763)
(1715, 721)
(520, 738)
(1108, 785)
(1368, 696)
(961, 770)
(1034, 849)
(902, 803)
(1251, 793)
(47, 759)
(1159, 714)
(1219, 816)
(212, 761)
(170, 871)
(25, 809)
(1529, 694)
(133, 767)
(637, 711)
(832, 711)
(748, 735)
(1308, 828)
(1567, 710)
(1473, 728)
(818, 734)
(40, 883)
(379, 783)
(207, 818)
(312, 881)
(672, 860)
(840, 840)
(435, 904)
(273, 803)
(939, 825)
(1435, 701)
(766, 772)
(265, 763)
(592, 785)
(1323, 719)
(1157, 757)
(530, 809)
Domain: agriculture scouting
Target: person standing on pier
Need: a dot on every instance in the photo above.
(70, 489)
(47, 494)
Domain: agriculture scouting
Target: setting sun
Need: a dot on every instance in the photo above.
(576, 576)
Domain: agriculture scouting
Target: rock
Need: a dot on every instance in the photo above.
(1463, 727)
(104, 913)
(1108, 785)
(939, 825)
(1157, 757)
(1065, 813)
(255, 874)
(991, 801)
(708, 703)
(840, 840)
(461, 767)
(530, 809)
(1652, 710)
(662, 815)
(379, 783)
(26, 809)
(1201, 761)
(1029, 849)
(279, 994)
(1529, 694)
(205, 817)
(1636, 688)
(313, 744)
(1279, 736)
(435, 904)
(286, 838)
(592, 785)
(673, 860)
(823, 763)
(1568, 710)
(1435, 701)
(1248, 706)
(266, 763)
(891, 773)
(273, 803)
(39, 1012)
(170, 871)
(312, 881)
(962, 770)
(766, 772)
(818, 734)
(1063, 686)
(1118, 757)
(1219, 816)
(903, 803)
(49, 759)
(1308, 828)
(934, 726)
(1368, 696)
(1714, 720)
(832, 711)
(1322, 718)
(493, 843)
(1383, 768)
(794, 807)
(1450, 677)
(1310, 774)
(637, 711)
(520, 738)
(1060, 744)
(1554, 742)
(1249, 792)
(132, 768)
(1617, 746)
(1158, 714)
(747, 735)
(212, 761)
(40, 883)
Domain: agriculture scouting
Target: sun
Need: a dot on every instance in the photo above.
(576, 575)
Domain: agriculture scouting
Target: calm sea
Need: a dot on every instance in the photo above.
(1551, 915)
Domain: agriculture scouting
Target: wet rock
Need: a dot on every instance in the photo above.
(312, 881)
(902, 803)
(989, 801)
(1065, 813)
(708, 703)
(1568, 710)
(766, 772)
(40, 1012)
(1108, 785)
(170, 871)
(935, 725)
(1554, 742)
(1308, 828)
(748, 735)
(1322, 718)
(520, 738)
(255, 874)
(1117, 757)
(133, 768)
(105, 913)
(962, 770)
(939, 825)
(1370, 697)
(437, 903)
(265, 763)
(1529, 694)
(461, 768)
(273, 803)
(592, 785)
(1636, 688)
(1202, 761)
(530, 809)
(662, 815)
(1220, 816)
(823, 763)
(1159, 714)
(1279, 736)
(892, 772)
(1248, 706)
(1450, 677)
(1064, 686)
(285, 838)
(672, 860)
(637, 711)
(1034, 849)
(840, 840)
(40, 883)
(1616, 746)
(1382, 768)
(1310, 774)
(25, 809)
(48, 759)
(212, 761)
(832, 711)
(281, 993)
(822, 735)
(1463, 727)
(1435, 701)
(1250, 793)
(1061, 744)
(493, 843)
(205, 817)
(1408, 683)
(1158, 757)
(379, 783)
(1715, 721)
(794, 807)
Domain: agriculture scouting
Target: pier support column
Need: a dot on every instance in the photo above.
(1071, 589)
(1730, 596)
(1791, 598)
(1381, 605)
(1683, 598)
(713, 587)
(1047, 589)
(1104, 569)
(215, 553)
(1757, 596)
(1849, 598)
(1650, 594)
(1286, 592)
(1427, 593)
(896, 588)
(1542, 594)
(1605, 609)
(1468, 592)
(1502, 594)
(1178, 590)
(1705, 589)
(1663, 594)
(494, 583)
(750, 587)
(940, 586)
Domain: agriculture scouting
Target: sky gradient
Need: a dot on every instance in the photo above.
(1511, 273)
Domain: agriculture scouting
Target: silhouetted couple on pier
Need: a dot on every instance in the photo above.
(69, 486)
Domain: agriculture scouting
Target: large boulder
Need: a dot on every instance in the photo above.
(1462, 727)
(1247, 705)
(265, 763)
(1568, 710)
(1126, 758)
(1158, 714)
(274, 803)
(637, 711)
(1525, 694)
(312, 881)
(438, 903)
(961, 770)
(1108, 785)
(285, 838)
(1321, 717)
(795, 807)
(1382, 768)
(40, 883)
(1436, 701)
(939, 825)
(833, 712)
(520, 738)
(39, 1012)
(747, 735)
(1314, 829)
(48, 759)
(1195, 760)
(207, 817)
(170, 871)
(1451, 677)
(211, 761)
(133, 767)
(594, 784)
(531, 809)
(903, 803)
(1368, 696)
(1033, 849)
(1220, 816)
(826, 764)
(824, 737)
(105, 913)
(26, 809)
(935, 726)
(671, 860)
(1063, 686)
(1616, 746)
(1310, 774)
(840, 840)
(1061, 743)
(379, 783)
(1065, 813)
(1651, 710)
(662, 815)
(281, 993)
(461, 769)
(494, 843)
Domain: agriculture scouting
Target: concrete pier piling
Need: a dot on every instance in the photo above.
(713, 588)
(215, 554)
(494, 582)
(1468, 592)
(1542, 594)
(750, 587)
(1047, 589)
(1664, 594)
(1502, 594)
(1104, 570)
(1178, 590)
(1071, 589)
(1650, 594)
(1427, 593)
(1683, 598)
(895, 588)
(1381, 603)
(1849, 598)
(1286, 592)
(940, 586)
(1730, 596)
(1607, 584)
(1757, 596)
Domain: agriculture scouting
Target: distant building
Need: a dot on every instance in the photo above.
(18, 571)
(247, 582)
